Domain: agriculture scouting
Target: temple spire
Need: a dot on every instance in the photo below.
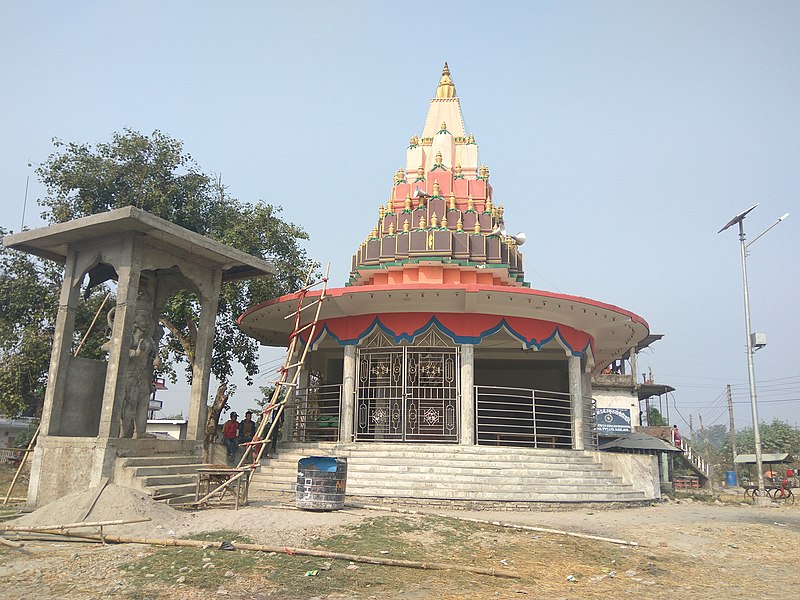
(446, 88)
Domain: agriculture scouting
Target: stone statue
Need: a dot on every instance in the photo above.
(142, 360)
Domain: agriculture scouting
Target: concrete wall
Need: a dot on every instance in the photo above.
(75, 464)
(638, 470)
(83, 397)
(606, 398)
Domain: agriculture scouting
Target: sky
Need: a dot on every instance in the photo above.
(621, 136)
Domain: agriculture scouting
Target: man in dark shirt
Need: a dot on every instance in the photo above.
(247, 428)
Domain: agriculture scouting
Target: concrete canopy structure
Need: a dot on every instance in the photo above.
(95, 411)
(436, 337)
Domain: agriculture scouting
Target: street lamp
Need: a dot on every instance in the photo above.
(750, 372)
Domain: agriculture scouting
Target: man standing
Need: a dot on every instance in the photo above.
(230, 435)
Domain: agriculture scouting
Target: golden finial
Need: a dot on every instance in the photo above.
(470, 203)
(406, 226)
(500, 210)
(434, 220)
(489, 205)
(381, 211)
(374, 233)
(421, 202)
(471, 139)
(389, 207)
(460, 225)
(421, 172)
(457, 170)
(477, 228)
(399, 176)
(486, 172)
(446, 89)
(452, 200)
(438, 157)
(414, 142)
(408, 202)
(422, 222)
(444, 221)
(436, 191)
(391, 228)
(443, 127)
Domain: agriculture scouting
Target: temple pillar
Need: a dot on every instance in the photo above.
(201, 369)
(576, 397)
(467, 430)
(348, 400)
(62, 348)
(128, 272)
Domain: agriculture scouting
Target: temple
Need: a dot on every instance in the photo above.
(436, 342)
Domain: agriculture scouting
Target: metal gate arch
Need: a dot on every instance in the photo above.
(407, 392)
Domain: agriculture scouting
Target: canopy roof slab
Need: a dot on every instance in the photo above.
(52, 242)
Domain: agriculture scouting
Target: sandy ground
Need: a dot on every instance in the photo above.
(733, 546)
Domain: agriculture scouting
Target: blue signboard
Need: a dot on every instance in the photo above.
(613, 420)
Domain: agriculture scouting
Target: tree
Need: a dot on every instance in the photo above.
(29, 292)
(655, 419)
(153, 173)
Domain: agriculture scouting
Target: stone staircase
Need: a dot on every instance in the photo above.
(169, 478)
(464, 473)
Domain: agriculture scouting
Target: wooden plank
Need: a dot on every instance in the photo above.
(93, 501)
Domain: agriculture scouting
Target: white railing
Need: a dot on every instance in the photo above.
(506, 416)
(316, 412)
(695, 459)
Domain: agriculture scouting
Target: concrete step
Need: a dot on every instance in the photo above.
(178, 489)
(156, 481)
(566, 457)
(167, 469)
(355, 465)
(151, 461)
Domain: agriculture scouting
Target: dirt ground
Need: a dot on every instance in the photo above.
(689, 548)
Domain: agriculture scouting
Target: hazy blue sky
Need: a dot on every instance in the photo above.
(620, 137)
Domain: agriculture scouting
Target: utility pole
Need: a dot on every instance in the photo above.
(703, 439)
(691, 430)
(733, 431)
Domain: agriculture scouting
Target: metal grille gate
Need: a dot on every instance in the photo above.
(407, 393)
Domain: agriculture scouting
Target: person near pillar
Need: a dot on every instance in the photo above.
(677, 441)
(230, 434)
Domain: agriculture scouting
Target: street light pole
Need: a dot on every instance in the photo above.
(739, 219)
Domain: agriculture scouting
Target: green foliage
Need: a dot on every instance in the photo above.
(655, 419)
(29, 292)
(155, 174)
(777, 436)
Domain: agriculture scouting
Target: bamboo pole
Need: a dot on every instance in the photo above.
(72, 525)
(373, 560)
(22, 464)
(497, 523)
(10, 544)
(91, 325)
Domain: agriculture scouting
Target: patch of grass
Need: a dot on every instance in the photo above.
(203, 568)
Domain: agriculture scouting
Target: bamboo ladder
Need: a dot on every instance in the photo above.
(284, 386)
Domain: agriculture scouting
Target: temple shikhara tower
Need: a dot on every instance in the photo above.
(438, 349)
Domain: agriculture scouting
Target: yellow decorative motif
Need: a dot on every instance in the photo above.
(421, 172)
(434, 220)
(477, 228)
(381, 211)
(446, 88)
(457, 170)
(391, 228)
(408, 202)
(470, 203)
(430, 241)
(471, 139)
(460, 225)
(489, 205)
(443, 127)
(436, 191)
(422, 222)
(406, 226)
(444, 221)
(389, 207)
(439, 157)
(452, 201)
